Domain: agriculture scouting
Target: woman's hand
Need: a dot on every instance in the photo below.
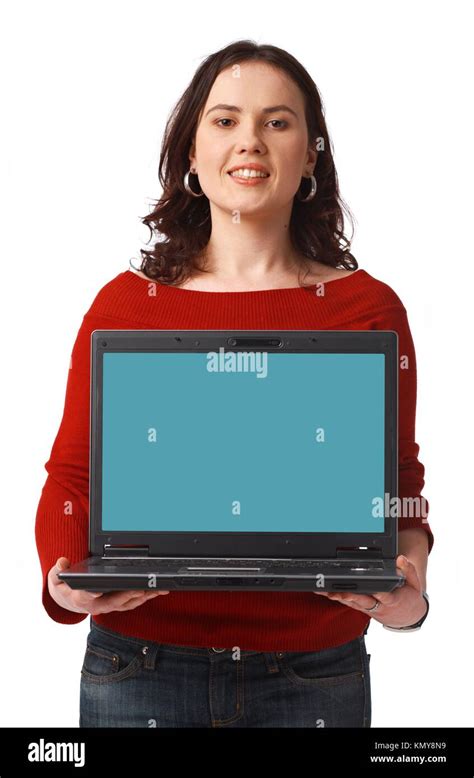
(82, 601)
(400, 608)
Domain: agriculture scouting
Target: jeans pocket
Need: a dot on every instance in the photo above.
(328, 667)
(108, 659)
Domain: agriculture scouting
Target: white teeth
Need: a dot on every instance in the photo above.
(247, 173)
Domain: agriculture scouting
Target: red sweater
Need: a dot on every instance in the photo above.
(263, 621)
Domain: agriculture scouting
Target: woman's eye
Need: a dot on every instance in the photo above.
(281, 121)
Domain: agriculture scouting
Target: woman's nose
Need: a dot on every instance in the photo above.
(250, 140)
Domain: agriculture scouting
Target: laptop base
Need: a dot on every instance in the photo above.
(359, 576)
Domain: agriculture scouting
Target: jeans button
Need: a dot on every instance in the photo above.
(280, 654)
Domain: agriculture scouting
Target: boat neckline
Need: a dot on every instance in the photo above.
(249, 291)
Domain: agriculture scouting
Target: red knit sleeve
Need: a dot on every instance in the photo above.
(61, 527)
(414, 509)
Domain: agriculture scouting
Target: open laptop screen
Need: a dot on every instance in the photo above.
(269, 442)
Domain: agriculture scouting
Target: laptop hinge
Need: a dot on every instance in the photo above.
(359, 552)
(121, 551)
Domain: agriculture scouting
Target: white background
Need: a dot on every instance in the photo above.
(86, 90)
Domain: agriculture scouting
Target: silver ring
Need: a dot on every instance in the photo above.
(374, 607)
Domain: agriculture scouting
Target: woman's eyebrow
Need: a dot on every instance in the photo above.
(270, 109)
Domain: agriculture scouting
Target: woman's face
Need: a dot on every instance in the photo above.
(246, 132)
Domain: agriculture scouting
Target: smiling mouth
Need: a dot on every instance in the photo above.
(253, 180)
(255, 174)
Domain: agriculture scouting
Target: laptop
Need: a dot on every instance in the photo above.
(242, 460)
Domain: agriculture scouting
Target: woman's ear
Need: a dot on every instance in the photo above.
(192, 152)
(312, 158)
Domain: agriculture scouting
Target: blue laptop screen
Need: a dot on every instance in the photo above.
(200, 442)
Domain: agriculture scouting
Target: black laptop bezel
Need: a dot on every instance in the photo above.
(244, 544)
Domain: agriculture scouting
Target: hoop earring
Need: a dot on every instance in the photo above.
(188, 188)
(314, 186)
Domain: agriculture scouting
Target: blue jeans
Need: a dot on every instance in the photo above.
(129, 682)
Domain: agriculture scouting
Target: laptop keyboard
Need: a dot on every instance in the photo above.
(246, 563)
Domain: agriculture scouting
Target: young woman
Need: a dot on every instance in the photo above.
(253, 238)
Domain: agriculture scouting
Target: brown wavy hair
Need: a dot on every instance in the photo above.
(183, 222)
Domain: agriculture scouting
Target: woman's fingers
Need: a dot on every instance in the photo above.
(409, 571)
(136, 601)
(122, 602)
(362, 601)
